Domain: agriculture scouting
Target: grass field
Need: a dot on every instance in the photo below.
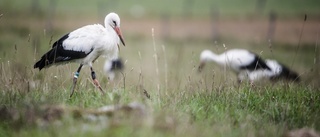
(160, 92)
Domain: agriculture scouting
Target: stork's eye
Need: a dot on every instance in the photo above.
(115, 23)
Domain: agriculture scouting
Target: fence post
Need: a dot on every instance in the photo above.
(215, 14)
(51, 11)
(35, 7)
(260, 5)
(187, 8)
(165, 26)
(272, 26)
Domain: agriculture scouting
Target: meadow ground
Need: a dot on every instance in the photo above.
(160, 77)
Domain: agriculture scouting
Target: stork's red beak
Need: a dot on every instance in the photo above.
(117, 29)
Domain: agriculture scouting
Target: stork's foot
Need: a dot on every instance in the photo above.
(97, 84)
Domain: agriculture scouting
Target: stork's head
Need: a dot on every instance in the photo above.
(113, 20)
(204, 57)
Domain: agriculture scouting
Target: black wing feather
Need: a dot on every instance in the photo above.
(58, 54)
(258, 63)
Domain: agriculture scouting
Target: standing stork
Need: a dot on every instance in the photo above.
(241, 61)
(85, 45)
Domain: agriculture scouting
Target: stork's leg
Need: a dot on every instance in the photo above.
(75, 78)
(95, 81)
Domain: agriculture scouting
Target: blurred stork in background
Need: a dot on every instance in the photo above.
(249, 65)
(241, 61)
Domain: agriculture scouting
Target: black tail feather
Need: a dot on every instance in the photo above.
(46, 60)
(289, 74)
(40, 64)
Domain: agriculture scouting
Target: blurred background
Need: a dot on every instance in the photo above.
(164, 38)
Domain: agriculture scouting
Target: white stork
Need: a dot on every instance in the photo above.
(85, 45)
(241, 61)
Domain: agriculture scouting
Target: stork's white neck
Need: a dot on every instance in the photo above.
(208, 55)
(108, 26)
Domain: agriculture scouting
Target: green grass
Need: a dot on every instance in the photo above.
(232, 111)
(185, 104)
